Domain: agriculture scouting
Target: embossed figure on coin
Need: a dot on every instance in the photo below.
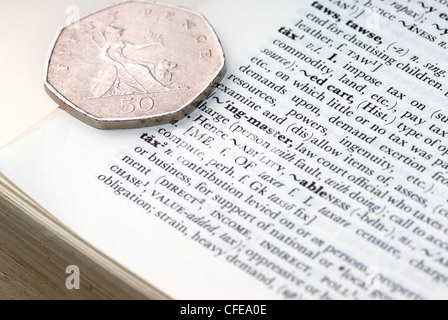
(123, 76)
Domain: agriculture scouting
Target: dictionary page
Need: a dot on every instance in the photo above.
(318, 168)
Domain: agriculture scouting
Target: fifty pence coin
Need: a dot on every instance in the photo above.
(134, 64)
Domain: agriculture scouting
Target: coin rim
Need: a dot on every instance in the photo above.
(143, 121)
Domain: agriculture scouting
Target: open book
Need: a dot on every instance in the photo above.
(318, 169)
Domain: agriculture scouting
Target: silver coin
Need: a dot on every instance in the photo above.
(134, 64)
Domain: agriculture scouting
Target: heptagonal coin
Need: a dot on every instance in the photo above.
(134, 64)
